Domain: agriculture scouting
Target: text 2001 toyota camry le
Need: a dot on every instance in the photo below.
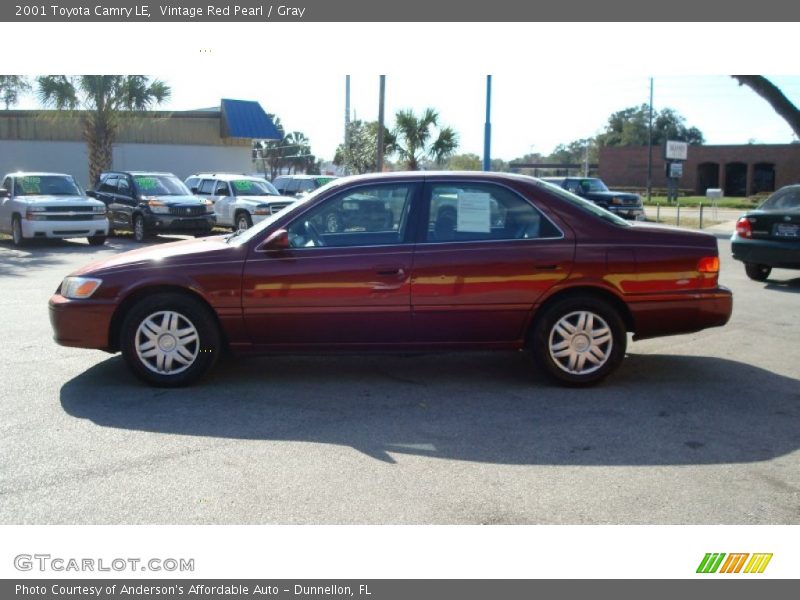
(453, 261)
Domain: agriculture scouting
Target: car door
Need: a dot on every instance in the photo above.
(224, 200)
(347, 288)
(485, 257)
(106, 187)
(125, 201)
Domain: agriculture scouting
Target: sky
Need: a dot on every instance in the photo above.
(544, 91)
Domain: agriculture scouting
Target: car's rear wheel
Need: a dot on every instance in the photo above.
(243, 220)
(757, 272)
(16, 232)
(579, 341)
(170, 339)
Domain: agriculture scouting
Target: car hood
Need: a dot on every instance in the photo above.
(44, 200)
(208, 249)
(266, 199)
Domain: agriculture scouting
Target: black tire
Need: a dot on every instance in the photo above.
(595, 358)
(16, 232)
(96, 240)
(242, 220)
(140, 233)
(757, 272)
(134, 339)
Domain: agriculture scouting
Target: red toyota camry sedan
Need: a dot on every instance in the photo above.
(453, 261)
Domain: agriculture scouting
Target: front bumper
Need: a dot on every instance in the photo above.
(635, 213)
(176, 224)
(81, 323)
(63, 229)
(772, 253)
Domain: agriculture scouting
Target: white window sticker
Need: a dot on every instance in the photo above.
(474, 212)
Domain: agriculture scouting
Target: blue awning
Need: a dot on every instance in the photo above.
(246, 119)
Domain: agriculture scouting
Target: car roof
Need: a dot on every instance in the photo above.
(305, 176)
(137, 173)
(227, 176)
(36, 174)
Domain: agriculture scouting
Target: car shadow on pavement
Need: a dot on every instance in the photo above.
(784, 285)
(494, 408)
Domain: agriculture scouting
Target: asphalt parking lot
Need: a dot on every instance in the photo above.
(701, 428)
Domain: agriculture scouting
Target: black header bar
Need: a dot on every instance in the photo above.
(494, 11)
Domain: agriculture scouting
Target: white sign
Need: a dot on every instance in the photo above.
(474, 212)
(676, 150)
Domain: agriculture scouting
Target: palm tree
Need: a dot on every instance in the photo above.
(104, 100)
(414, 134)
(11, 88)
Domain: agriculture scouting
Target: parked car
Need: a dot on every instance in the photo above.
(239, 200)
(622, 204)
(49, 205)
(299, 185)
(149, 203)
(554, 273)
(769, 237)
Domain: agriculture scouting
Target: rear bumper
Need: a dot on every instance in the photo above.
(81, 323)
(772, 253)
(685, 314)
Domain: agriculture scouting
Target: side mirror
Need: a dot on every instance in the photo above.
(277, 240)
(4, 193)
(91, 194)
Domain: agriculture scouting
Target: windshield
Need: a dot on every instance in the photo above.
(584, 205)
(47, 185)
(160, 185)
(244, 235)
(593, 185)
(253, 187)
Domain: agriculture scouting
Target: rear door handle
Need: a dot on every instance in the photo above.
(391, 272)
(546, 267)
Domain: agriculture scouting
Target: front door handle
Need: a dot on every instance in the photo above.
(398, 272)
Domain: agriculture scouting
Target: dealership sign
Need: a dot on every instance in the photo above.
(676, 150)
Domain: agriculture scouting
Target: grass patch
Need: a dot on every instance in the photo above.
(696, 201)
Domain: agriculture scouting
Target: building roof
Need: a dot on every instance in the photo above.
(246, 119)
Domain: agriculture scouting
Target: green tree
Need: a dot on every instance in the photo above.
(360, 154)
(104, 101)
(415, 140)
(11, 88)
(629, 127)
(464, 162)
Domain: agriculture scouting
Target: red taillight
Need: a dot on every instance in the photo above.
(708, 264)
(743, 228)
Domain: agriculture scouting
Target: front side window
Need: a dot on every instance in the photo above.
(483, 212)
(368, 216)
(124, 187)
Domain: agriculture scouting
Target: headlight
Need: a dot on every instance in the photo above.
(209, 206)
(78, 288)
(99, 209)
(617, 201)
(158, 207)
(261, 209)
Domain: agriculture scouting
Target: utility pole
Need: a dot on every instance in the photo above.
(381, 100)
(650, 146)
(346, 116)
(487, 130)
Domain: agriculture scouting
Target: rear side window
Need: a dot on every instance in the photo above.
(483, 212)
(108, 184)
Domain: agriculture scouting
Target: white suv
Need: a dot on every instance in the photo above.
(49, 205)
(239, 200)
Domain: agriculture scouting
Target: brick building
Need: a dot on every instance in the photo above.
(738, 170)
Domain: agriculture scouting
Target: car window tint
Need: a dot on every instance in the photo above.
(369, 216)
(221, 189)
(108, 184)
(479, 212)
(123, 187)
(7, 184)
(206, 187)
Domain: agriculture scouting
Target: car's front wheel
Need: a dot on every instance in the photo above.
(96, 240)
(16, 232)
(243, 220)
(579, 341)
(170, 339)
(757, 272)
(139, 230)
